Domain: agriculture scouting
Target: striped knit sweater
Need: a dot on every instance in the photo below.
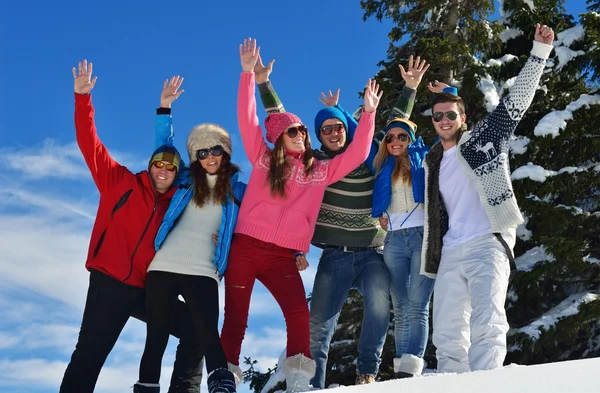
(345, 215)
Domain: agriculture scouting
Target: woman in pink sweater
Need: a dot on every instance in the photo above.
(277, 218)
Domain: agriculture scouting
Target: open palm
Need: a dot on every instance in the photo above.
(170, 91)
(249, 54)
(372, 96)
(415, 71)
(83, 82)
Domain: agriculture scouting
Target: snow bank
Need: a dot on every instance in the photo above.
(553, 122)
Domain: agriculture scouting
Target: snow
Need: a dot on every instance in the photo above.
(565, 55)
(568, 307)
(533, 172)
(530, 4)
(498, 62)
(590, 259)
(509, 34)
(491, 96)
(575, 376)
(518, 145)
(553, 122)
(532, 257)
(567, 37)
(522, 232)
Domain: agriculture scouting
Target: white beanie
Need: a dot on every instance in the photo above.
(205, 136)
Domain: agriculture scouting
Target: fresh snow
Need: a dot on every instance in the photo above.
(590, 259)
(522, 232)
(498, 62)
(565, 55)
(575, 376)
(567, 37)
(566, 308)
(533, 172)
(509, 34)
(532, 257)
(553, 122)
(518, 145)
(530, 4)
(490, 93)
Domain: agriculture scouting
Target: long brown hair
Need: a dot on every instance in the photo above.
(401, 167)
(222, 187)
(279, 167)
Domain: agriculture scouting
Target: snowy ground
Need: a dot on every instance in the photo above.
(577, 376)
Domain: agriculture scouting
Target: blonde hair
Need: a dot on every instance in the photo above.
(401, 166)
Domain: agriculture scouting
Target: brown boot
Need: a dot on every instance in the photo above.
(364, 379)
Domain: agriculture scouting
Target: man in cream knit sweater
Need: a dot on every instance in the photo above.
(470, 218)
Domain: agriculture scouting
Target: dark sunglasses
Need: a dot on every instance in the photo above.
(160, 165)
(216, 151)
(438, 116)
(292, 132)
(389, 138)
(326, 130)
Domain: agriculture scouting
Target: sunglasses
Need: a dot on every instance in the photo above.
(216, 151)
(438, 116)
(292, 132)
(160, 165)
(389, 138)
(326, 130)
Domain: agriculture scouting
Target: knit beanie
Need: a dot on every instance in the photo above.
(205, 136)
(329, 112)
(405, 124)
(277, 123)
(166, 153)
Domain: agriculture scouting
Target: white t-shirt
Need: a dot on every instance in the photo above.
(467, 218)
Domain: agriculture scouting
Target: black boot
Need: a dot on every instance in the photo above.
(402, 374)
(221, 380)
(139, 388)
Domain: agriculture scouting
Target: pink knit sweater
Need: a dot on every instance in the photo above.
(289, 222)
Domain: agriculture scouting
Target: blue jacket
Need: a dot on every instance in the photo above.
(382, 191)
(183, 195)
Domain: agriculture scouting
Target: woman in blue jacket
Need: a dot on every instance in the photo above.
(191, 260)
(398, 197)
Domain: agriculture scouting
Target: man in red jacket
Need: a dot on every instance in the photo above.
(130, 211)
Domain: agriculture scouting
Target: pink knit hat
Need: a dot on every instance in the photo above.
(277, 123)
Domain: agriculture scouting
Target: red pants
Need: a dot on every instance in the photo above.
(275, 268)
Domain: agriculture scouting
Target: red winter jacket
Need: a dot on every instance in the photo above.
(130, 211)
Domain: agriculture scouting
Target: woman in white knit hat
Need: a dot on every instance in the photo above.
(192, 248)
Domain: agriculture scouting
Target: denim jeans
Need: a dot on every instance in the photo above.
(410, 290)
(338, 272)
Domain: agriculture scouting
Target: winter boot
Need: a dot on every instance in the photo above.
(221, 380)
(408, 366)
(140, 387)
(298, 371)
(364, 379)
(236, 371)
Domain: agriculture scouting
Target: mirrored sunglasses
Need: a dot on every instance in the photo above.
(438, 116)
(216, 151)
(160, 165)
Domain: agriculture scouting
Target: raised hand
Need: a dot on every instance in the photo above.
(372, 96)
(83, 82)
(415, 71)
(438, 87)
(544, 34)
(170, 91)
(249, 53)
(331, 99)
(261, 73)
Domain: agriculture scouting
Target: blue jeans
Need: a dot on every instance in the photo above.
(411, 291)
(338, 272)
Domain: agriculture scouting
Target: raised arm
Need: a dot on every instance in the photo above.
(358, 150)
(513, 106)
(163, 130)
(250, 130)
(104, 169)
(268, 96)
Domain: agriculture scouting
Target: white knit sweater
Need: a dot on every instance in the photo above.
(189, 248)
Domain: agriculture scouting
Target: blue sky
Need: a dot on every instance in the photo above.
(47, 198)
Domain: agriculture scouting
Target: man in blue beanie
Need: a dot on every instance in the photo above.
(350, 238)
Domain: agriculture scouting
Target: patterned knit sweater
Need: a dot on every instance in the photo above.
(483, 154)
(345, 214)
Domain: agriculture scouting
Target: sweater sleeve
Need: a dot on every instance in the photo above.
(250, 130)
(104, 169)
(512, 108)
(269, 98)
(357, 151)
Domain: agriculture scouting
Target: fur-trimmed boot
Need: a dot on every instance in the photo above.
(408, 366)
(140, 387)
(236, 371)
(221, 380)
(298, 371)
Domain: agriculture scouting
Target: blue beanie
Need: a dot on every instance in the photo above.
(405, 124)
(328, 113)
